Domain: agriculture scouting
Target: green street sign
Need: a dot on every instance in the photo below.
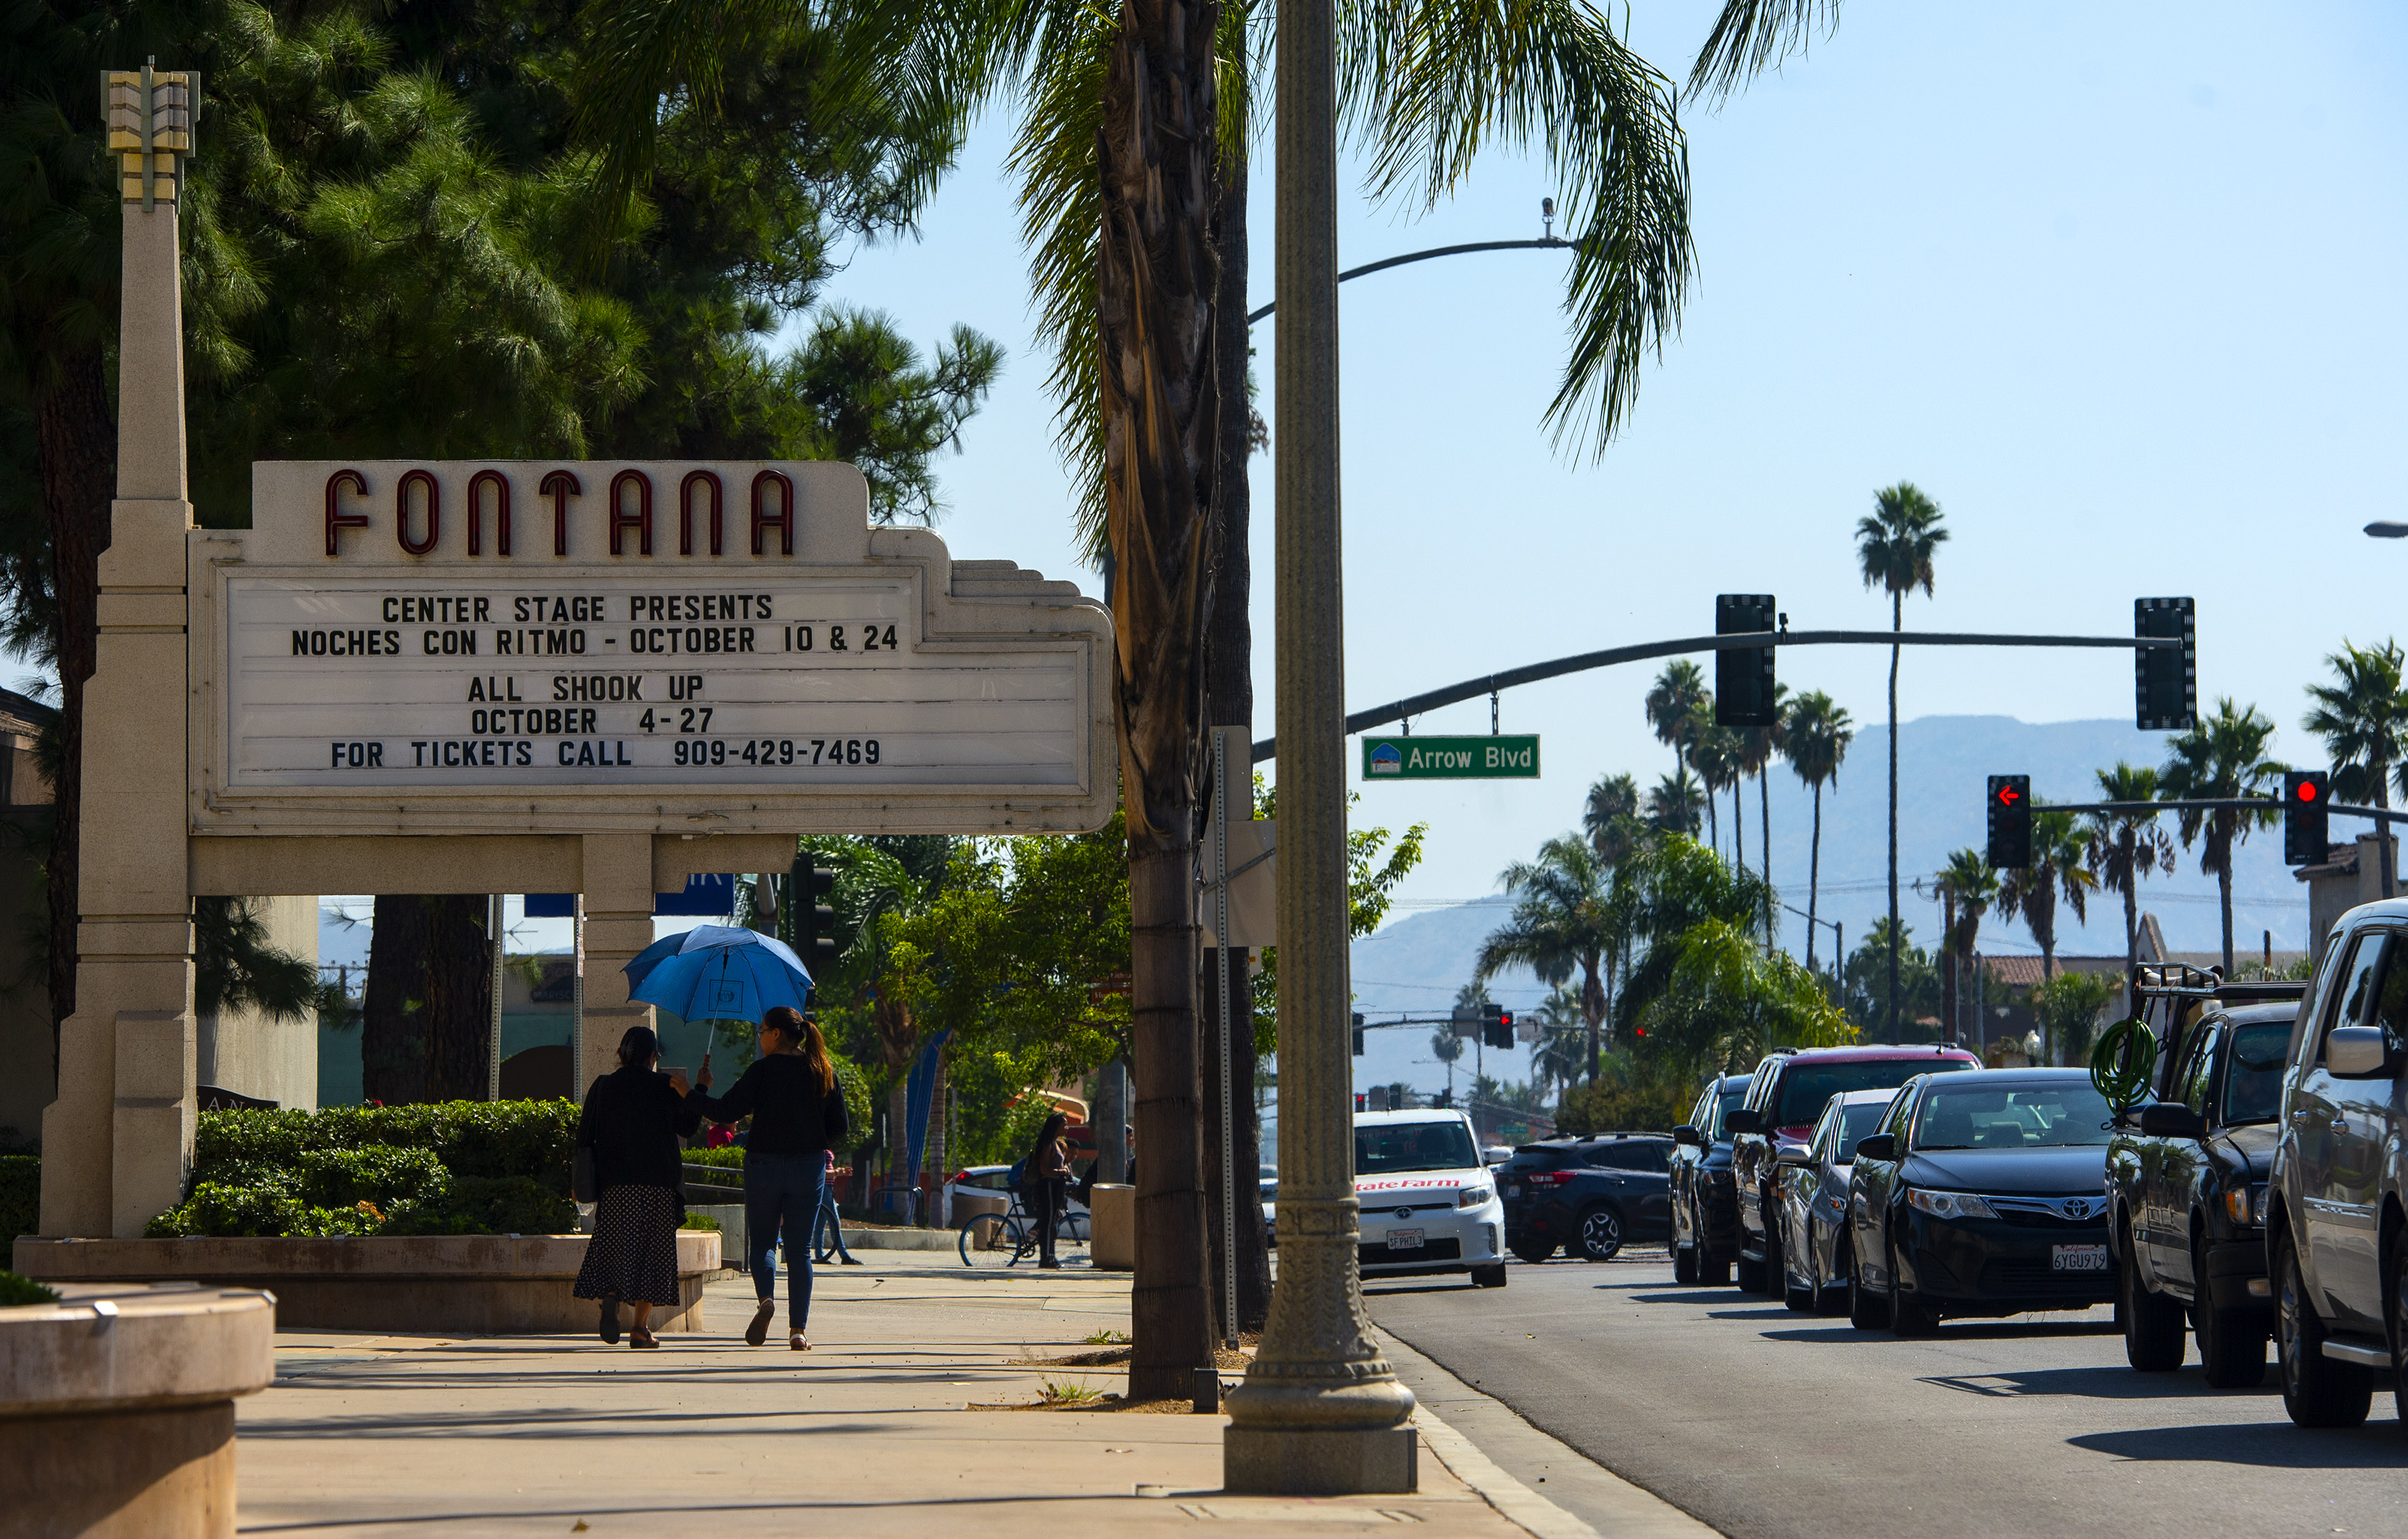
(1451, 758)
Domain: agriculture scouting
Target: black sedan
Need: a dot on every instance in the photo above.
(1705, 1202)
(1589, 1196)
(1983, 1194)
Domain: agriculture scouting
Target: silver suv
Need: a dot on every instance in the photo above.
(2336, 1229)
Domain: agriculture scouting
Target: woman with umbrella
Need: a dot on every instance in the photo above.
(798, 1117)
(632, 1122)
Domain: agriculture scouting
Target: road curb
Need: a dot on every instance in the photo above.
(1634, 1512)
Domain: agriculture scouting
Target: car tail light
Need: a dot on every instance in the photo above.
(961, 1178)
(1546, 1178)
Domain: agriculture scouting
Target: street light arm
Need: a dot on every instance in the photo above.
(1550, 244)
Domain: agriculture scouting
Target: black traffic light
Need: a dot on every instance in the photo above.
(1359, 1101)
(1358, 1038)
(1495, 1026)
(814, 920)
(1743, 686)
(2167, 677)
(2011, 820)
(2305, 793)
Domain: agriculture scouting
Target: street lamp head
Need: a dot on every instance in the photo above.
(2383, 529)
(1547, 212)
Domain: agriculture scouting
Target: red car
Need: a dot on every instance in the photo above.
(1783, 1100)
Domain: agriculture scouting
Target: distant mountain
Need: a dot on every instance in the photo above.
(1418, 961)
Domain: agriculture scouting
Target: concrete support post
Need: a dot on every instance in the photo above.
(618, 890)
(118, 1140)
(1321, 1412)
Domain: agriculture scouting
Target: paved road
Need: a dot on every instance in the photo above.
(1766, 1423)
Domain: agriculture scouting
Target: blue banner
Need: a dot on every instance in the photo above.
(919, 1091)
(704, 896)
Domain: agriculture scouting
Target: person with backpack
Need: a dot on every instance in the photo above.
(798, 1117)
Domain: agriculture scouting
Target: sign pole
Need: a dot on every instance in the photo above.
(1221, 992)
(1320, 1411)
(494, 1038)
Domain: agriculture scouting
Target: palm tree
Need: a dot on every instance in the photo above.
(1673, 705)
(2223, 757)
(1968, 887)
(1567, 921)
(1714, 753)
(1609, 817)
(2060, 867)
(1562, 1050)
(1674, 804)
(2363, 718)
(2124, 846)
(1815, 731)
(1894, 548)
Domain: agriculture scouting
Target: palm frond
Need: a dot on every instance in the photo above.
(1751, 36)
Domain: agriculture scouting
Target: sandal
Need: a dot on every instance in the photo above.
(795, 1341)
(643, 1339)
(609, 1326)
(758, 1331)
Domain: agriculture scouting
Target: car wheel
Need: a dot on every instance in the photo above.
(1488, 1276)
(1684, 1264)
(2231, 1342)
(2395, 1321)
(1831, 1297)
(1798, 1296)
(1908, 1316)
(1600, 1234)
(1712, 1271)
(1532, 1249)
(2152, 1323)
(2317, 1391)
(1751, 1276)
(1867, 1310)
(1776, 1278)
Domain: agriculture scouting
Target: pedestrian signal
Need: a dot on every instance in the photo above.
(2010, 822)
(1743, 681)
(2305, 793)
(2167, 677)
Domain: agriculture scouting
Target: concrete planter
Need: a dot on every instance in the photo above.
(436, 1283)
(117, 1409)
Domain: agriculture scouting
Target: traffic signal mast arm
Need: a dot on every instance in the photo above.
(2219, 804)
(1471, 689)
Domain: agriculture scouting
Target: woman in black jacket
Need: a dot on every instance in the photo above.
(633, 1120)
(798, 1117)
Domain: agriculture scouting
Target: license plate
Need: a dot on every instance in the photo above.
(2078, 1257)
(1405, 1239)
(1512, 1191)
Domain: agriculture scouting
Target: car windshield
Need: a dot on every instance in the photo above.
(1387, 1148)
(1808, 1087)
(1727, 1102)
(2066, 1114)
(2252, 1083)
(1856, 1124)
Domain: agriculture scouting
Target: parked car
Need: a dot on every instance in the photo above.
(2187, 1176)
(1270, 1202)
(2338, 1249)
(1589, 1196)
(1705, 1206)
(1813, 1200)
(1427, 1205)
(1984, 1193)
(1784, 1098)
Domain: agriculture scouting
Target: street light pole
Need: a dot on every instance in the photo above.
(1321, 1412)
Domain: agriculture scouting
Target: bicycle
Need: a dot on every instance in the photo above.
(1009, 1238)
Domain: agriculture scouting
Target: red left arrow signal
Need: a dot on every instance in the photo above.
(2008, 796)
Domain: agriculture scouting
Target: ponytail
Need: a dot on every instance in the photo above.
(804, 1032)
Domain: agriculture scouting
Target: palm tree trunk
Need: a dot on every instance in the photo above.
(2382, 837)
(1739, 825)
(1948, 967)
(2224, 897)
(1815, 881)
(392, 1016)
(1593, 1011)
(2131, 908)
(1157, 291)
(1897, 621)
(1764, 814)
(1713, 821)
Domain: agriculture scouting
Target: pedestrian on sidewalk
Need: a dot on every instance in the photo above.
(1046, 1180)
(798, 1118)
(632, 1121)
(828, 1216)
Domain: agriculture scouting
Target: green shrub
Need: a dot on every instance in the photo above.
(21, 1196)
(480, 1138)
(265, 1212)
(16, 1293)
(481, 1204)
(702, 1221)
(344, 1178)
(730, 1157)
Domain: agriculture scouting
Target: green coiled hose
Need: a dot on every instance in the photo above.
(2120, 1063)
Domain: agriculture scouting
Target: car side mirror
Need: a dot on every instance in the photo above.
(2171, 1119)
(1741, 1120)
(1796, 1154)
(2357, 1052)
(1879, 1146)
(1687, 1134)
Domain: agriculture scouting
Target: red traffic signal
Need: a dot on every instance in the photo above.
(2304, 791)
(2306, 794)
(2009, 793)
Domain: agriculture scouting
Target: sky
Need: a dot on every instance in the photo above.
(2118, 286)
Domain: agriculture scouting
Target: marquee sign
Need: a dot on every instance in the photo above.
(543, 646)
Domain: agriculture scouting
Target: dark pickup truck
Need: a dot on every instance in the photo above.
(2186, 1173)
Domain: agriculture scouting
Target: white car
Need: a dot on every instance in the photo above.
(1428, 1204)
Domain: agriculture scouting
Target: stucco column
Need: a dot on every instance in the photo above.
(1321, 1412)
(118, 1140)
(618, 890)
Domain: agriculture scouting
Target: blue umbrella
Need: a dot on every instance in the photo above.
(715, 973)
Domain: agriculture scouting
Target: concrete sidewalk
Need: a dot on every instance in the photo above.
(870, 1434)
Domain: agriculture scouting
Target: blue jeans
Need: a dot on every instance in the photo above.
(783, 1192)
